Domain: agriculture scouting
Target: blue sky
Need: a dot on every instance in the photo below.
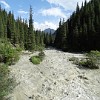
(46, 13)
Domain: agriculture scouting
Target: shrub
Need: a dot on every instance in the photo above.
(18, 49)
(93, 53)
(8, 54)
(74, 60)
(91, 61)
(41, 54)
(88, 64)
(94, 56)
(5, 81)
(37, 59)
(1, 58)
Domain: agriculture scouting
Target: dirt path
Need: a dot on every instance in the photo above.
(54, 79)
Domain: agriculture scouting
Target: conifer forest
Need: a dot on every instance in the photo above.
(62, 64)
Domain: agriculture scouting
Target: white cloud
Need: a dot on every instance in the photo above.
(66, 4)
(22, 12)
(57, 12)
(45, 25)
(7, 6)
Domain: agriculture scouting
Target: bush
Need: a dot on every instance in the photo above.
(88, 64)
(8, 54)
(41, 54)
(37, 59)
(94, 56)
(91, 61)
(18, 49)
(5, 81)
(1, 58)
(74, 60)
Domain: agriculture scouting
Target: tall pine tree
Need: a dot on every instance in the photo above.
(31, 36)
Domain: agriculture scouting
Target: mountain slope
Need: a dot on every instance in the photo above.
(49, 30)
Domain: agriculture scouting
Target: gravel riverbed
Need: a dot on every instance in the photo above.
(56, 78)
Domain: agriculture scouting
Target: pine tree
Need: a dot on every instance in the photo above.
(57, 41)
(21, 31)
(4, 20)
(51, 38)
(11, 27)
(17, 34)
(1, 28)
(82, 28)
(25, 34)
(41, 40)
(31, 36)
(63, 36)
(77, 8)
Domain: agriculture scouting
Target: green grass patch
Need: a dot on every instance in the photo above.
(37, 59)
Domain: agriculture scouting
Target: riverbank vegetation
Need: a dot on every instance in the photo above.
(37, 59)
(80, 33)
(91, 60)
(8, 56)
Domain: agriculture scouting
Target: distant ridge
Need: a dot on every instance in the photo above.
(48, 30)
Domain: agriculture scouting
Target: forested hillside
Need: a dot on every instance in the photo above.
(50, 74)
(81, 32)
(21, 32)
(16, 35)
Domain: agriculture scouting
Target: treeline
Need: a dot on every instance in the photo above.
(15, 35)
(21, 32)
(81, 32)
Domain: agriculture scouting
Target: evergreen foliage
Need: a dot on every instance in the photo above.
(22, 34)
(8, 55)
(31, 35)
(81, 32)
(37, 59)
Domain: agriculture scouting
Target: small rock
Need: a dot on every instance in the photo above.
(41, 72)
(43, 85)
(67, 79)
(77, 96)
(83, 77)
(53, 73)
(66, 93)
(31, 97)
(48, 88)
(54, 83)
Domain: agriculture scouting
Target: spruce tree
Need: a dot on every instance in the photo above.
(25, 34)
(31, 36)
(11, 27)
(1, 28)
